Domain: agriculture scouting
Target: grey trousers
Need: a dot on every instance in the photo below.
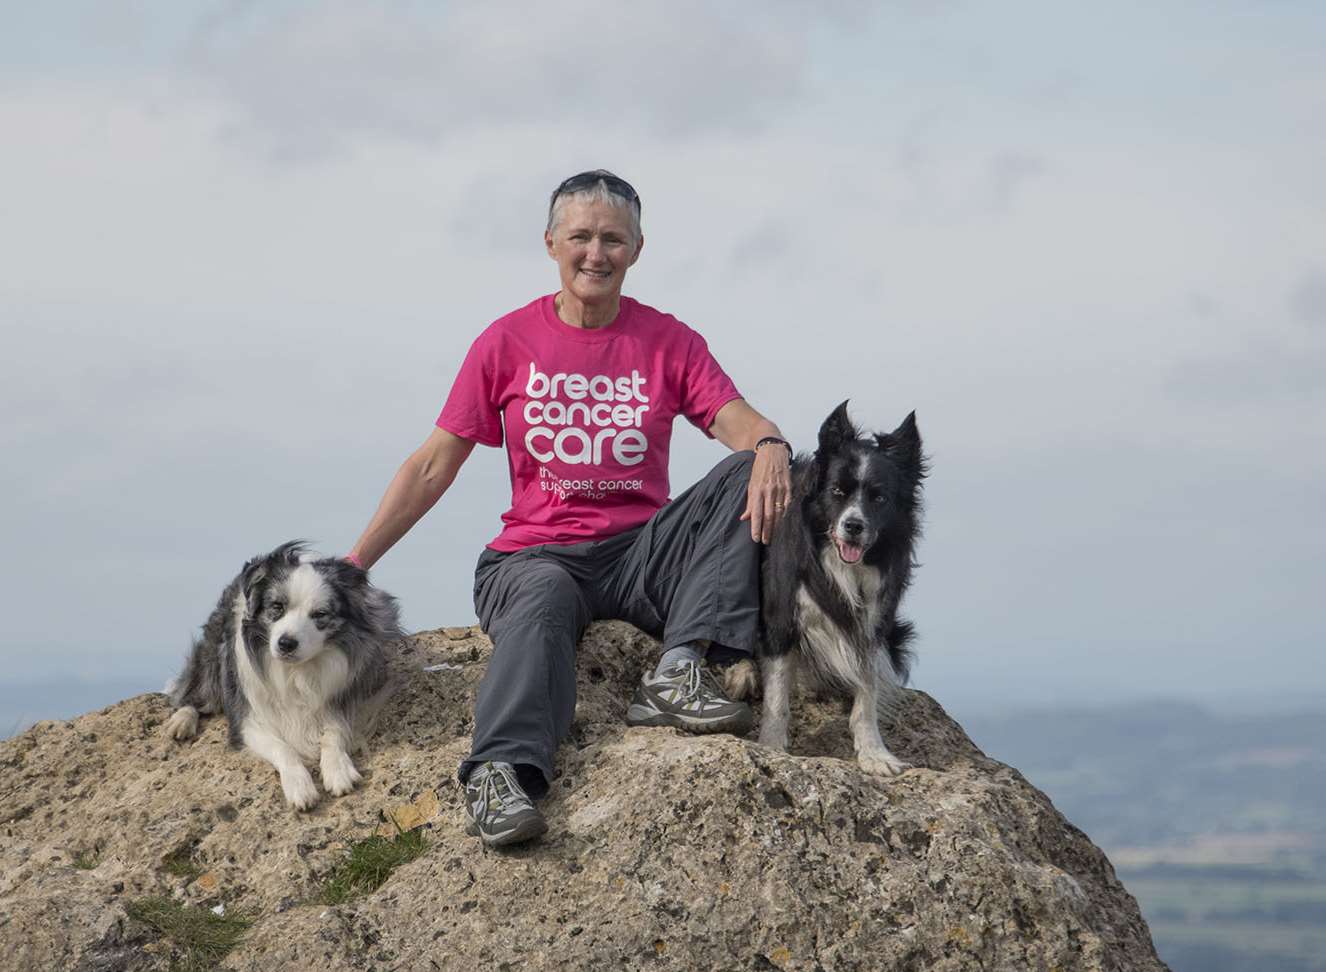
(690, 573)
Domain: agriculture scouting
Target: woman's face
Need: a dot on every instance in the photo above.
(593, 245)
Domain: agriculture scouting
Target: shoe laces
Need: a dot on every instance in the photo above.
(499, 788)
(700, 681)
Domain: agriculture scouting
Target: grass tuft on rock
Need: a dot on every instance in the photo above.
(202, 936)
(369, 863)
(87, 860)
(180, 863)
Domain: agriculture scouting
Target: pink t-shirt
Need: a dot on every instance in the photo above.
(588, 415)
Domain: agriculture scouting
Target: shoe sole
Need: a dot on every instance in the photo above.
(525, 831)
(739, 725)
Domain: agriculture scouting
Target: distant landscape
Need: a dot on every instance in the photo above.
(1214, 822)
(23, 704)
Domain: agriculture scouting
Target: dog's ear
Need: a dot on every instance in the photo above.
(836, 431)
(904, 445)
(346, 574)
(352, 582)
(253, 582)
(257, 573)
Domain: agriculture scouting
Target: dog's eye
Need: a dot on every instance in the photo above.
(276, 607)
(876, 498)
(318, 615)
(838, 491)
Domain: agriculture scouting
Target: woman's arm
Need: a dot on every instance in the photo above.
(418, 484)
(738, 426)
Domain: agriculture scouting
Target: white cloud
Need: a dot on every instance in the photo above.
(311, 80)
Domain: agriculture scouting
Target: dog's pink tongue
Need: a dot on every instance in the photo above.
(850, 552)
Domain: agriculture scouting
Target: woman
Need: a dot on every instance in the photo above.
(583, 385)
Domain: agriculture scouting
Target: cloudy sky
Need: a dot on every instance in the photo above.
(245, 247)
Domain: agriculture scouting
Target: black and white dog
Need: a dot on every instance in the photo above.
(293, 655)
(839, 563)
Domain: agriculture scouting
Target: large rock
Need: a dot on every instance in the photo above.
(665, 851)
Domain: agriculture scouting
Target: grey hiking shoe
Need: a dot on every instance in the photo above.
(499, 811)
(687, 697)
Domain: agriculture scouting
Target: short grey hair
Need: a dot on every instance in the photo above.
(595, 191)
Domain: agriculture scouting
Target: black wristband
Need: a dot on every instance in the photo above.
(773, 438)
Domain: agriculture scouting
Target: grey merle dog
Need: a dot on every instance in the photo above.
(833, 577)
(293, 655)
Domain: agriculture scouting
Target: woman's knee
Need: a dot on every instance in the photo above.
(741, 458)
(547, 603)
(733, 473)
(734, 468)
(559, 596)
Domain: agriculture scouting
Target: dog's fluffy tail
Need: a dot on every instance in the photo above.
(900, 656)
(741, 680)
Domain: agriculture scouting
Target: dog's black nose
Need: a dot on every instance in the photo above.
(287, 644)
(853, 527)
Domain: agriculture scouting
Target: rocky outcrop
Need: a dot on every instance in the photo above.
(665, 851)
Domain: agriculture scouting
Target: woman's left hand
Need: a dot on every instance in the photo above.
(738, 426)
(769, 491)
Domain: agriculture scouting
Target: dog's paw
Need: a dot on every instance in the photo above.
(740, 680)
(339, 775)
(183, 723)
(300, 790)
(881, 763)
